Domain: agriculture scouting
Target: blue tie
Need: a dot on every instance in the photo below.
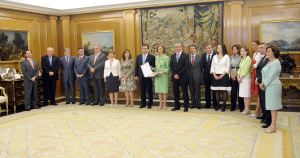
(177, 57)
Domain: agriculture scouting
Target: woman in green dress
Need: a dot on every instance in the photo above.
(161, 81)
(272, 85)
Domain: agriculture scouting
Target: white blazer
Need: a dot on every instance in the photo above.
(113, 67)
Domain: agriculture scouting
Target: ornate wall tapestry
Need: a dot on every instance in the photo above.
(194, 23)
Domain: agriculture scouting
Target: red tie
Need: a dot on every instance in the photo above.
(193, 60)
(31, 63)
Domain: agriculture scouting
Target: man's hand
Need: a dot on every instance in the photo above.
(33, 79)
(176, 77)
(136, 78)
(92, 69)
(51, 73)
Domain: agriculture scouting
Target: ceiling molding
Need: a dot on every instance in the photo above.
(58, 12)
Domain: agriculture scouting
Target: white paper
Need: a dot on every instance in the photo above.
(147, 71)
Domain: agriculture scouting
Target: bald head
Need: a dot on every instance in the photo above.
(97, 48)
(50, 51)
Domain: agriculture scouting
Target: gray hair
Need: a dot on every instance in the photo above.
(66, 49)
(180, 43)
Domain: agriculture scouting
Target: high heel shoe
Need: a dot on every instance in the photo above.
(269, 130)
(246, 112)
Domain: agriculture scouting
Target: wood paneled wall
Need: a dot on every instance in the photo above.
(242, 19)
(241, 25)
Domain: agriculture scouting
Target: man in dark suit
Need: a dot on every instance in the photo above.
(96, 67)
(30, 70)
(207, 77)
(68, 75)
(145, 82)
(266, 118)
(82, 74)
(50, 66)
(179, 66)
(195, 76)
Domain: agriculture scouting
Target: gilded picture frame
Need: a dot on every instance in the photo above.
(13, 44)
(283, 33)
(106, 40)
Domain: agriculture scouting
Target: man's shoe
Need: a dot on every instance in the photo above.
(185, 110)
(81, 103)
(142, 106)
(73, 102)
(149, 107)
(87, 103)
(67, 102)
(174, 109)
(54, 103)
(101, 104)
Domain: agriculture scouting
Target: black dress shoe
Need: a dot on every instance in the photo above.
(263, 121)
(265, 126)
(67, 102)
(36, 107)
(45, 103)
(54, 103)
(149, 107)
(232, 109)
(192, 107)
(174, 109)
(142, 106)
(87, 103)
(73, 102)
(260, 117)
(207, 106)
(198, 107)
(223, 110)
(216, 109)
(186, 110)
(81, 103)
(26, 109)
(101, 104)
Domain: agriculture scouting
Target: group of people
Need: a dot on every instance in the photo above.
(220, 73)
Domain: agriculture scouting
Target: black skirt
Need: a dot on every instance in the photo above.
(222, 84)
(113, 83)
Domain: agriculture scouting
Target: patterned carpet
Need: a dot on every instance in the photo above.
(73, 131)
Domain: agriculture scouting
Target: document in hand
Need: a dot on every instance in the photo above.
(147, 71)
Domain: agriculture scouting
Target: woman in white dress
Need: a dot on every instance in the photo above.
(244, 79)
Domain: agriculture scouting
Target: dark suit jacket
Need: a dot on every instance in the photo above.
(68, 73)
(81, 67)
(47, 67)
(181, 67)
(139, 61)
(99, 65)
(195, 71)
(206, 67)
(28, 72)
(259, 67)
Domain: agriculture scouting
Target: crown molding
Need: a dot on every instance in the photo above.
(59, 12)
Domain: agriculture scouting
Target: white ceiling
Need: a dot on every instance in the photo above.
(67, 4)
(69, 7)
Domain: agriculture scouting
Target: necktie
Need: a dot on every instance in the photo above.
(144, 58)
(80, 59)
(31, 63)
(177, 57)
(208, 59)
(193, 60)
(50, 60)
(96, 56)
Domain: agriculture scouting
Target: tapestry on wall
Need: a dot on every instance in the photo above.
(195, 23)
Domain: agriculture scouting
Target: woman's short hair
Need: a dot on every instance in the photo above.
(125, 51)
(238, 47)
(275, 50)
(163, 47)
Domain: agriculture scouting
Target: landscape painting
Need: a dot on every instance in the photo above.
(105, 39)
(284, 34)
(13, 45)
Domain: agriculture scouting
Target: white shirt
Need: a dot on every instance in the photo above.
(113, 67)
(257, 57)
(219, 67)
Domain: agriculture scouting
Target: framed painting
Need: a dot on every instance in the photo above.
(105, 39)
(13, 45)
(284, 34)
